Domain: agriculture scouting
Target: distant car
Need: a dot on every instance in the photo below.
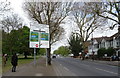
(71, 55)
(54, 56)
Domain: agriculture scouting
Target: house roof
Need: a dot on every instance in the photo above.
(108, 38)
(115, 35)
(99, 39)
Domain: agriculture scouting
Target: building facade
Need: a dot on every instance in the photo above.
(105, 42)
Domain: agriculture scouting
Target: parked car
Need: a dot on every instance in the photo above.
(114, 58)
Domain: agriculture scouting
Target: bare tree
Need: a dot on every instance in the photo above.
(52, 14)
(12, 22)
(108, 10)
(4, 7)
(86, 20)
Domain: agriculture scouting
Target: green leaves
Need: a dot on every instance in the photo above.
(16, 41)
(110, 51)
(63, 50)
(42, 51)
(75, 44)
(101, 52)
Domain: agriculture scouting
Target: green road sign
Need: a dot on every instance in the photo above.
(44, 36)
(34, 36)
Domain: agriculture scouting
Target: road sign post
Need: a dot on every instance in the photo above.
(34, 56)
(39, 38)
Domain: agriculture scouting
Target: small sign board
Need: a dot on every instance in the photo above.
(39, 36)
(34, 39)
(44, 40)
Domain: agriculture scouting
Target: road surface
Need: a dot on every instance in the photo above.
(76, 67)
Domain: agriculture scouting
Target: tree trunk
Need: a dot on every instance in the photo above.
(83, 55)
(49, 56)
(25, 54)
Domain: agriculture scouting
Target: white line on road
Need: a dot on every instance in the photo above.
(102, 64)
(66, 68)
(58, 73)
(39, 74)
(106, 71)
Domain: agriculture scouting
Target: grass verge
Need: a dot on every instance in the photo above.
(0, 64)
(21, 61)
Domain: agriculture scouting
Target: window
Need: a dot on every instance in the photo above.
(104, 44)
(96, 46)
(111, 44)
(118, 43)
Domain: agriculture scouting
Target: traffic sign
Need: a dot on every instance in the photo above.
(39, 36)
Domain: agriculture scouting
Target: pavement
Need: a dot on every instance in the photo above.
(40, 69)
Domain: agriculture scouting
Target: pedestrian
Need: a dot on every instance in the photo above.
(4, 60)
(6, 56)
(14, 62)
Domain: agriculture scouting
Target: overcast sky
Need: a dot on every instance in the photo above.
(17, 6)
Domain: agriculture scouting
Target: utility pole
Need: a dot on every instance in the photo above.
(92, 45)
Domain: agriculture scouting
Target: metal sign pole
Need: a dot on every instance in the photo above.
(34, 56)
(38, 39)
(46, 57)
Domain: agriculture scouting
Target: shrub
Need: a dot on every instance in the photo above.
(101, 52)
(110, 51)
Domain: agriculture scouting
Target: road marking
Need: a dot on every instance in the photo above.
(106, 71)
(95, 62)
(57, 71)
(39, 74)
(66, 68)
